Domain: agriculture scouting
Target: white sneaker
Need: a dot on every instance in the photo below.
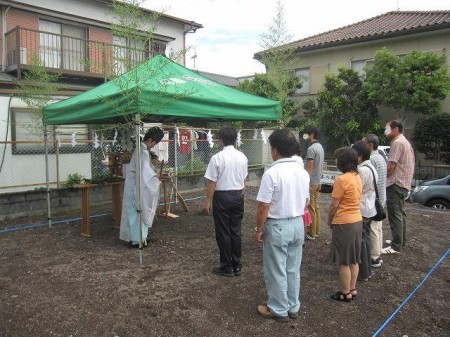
(309, 237)
(389, 250)
(388, 242)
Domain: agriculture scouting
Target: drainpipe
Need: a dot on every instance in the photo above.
(191, 29)
(4, 28)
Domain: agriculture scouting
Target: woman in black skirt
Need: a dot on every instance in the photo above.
(345, 220)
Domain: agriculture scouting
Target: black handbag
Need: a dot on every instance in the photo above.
(381, 214)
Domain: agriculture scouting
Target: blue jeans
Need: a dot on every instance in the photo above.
(282, 257)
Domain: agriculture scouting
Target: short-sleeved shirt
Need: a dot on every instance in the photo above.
(299, 160)
(347, 189)
(401, 153)
(380, 165)
(285, 186)
(367, 204)
(315, 152)
(228, 169)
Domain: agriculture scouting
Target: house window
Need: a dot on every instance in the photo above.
(128, 52)
(158, 48)
(303, 74)
(62, 45)
(28, 135)
(360, 65)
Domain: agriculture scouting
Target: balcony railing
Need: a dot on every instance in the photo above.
(72, 55)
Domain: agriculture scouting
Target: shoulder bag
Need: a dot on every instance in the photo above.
(381, 214)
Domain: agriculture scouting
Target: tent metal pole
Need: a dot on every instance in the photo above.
(47, 179)
(139, 182)
(175, 156)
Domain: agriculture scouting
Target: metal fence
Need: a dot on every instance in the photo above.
(431, 171)
(185, 151)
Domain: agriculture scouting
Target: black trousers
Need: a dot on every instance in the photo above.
(228, 211)
(366, 264)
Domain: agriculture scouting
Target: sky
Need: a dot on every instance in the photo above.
(232, 28)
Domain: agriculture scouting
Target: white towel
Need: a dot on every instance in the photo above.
(162, 149)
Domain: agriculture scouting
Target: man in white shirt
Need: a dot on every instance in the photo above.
(226, 174)
(282, 199)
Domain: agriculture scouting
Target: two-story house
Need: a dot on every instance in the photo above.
(354, 46)
(75, 39)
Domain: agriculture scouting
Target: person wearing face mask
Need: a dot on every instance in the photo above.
(129, 222)
(314, 164)
(400, 171)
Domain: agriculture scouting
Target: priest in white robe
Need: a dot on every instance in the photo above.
(129, 223)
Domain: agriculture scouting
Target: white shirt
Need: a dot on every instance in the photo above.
(228, 169)
(285, 186)
(299, 160)
(367, 203)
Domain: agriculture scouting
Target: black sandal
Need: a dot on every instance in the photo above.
(354, 296)
(340, 296)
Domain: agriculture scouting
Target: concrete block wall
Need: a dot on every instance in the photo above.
(34, 203)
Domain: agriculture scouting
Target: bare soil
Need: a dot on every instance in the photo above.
(54, 282)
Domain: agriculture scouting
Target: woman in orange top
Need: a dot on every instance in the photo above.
(345, 220)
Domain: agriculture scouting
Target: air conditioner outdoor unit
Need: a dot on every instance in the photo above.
(12, 57)
(23, 55)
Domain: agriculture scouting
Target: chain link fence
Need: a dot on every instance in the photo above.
(78, 156)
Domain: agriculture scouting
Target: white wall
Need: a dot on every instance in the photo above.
(29, 169)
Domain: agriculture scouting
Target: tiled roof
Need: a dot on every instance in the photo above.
(383, 26)
(223, 79)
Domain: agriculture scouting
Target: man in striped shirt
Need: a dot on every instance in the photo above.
(400, 171)
(376, 227)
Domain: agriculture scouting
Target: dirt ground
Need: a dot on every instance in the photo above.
(54, 282)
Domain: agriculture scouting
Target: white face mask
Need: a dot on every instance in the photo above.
(305, 136)
(387, 130)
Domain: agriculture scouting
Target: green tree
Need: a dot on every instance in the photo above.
(431, 136)
(417, 82)
(36, 90)
(136, 28)
(262, 85)
(279, 82)
(345, 113)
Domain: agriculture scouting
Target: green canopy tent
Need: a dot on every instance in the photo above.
(158, 90)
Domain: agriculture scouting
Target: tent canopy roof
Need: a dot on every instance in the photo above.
(160, 90)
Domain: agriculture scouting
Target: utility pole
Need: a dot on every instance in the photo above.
(194, 57)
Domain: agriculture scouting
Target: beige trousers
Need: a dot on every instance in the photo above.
(314, 204)
(376, 238)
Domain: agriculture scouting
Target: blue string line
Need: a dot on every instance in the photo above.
(381, 328)
(65, 221)
(32, 226)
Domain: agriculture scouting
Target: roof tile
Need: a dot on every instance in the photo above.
(387, 24)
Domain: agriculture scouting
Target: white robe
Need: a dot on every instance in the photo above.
(129, 226)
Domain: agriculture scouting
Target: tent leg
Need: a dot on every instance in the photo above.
(47, 179)
(177, 136)
(138, 183)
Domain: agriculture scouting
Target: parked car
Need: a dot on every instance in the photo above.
(384, 151)
(330, 174)
(433, 193)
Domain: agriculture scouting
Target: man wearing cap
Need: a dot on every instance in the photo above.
(129, 223)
